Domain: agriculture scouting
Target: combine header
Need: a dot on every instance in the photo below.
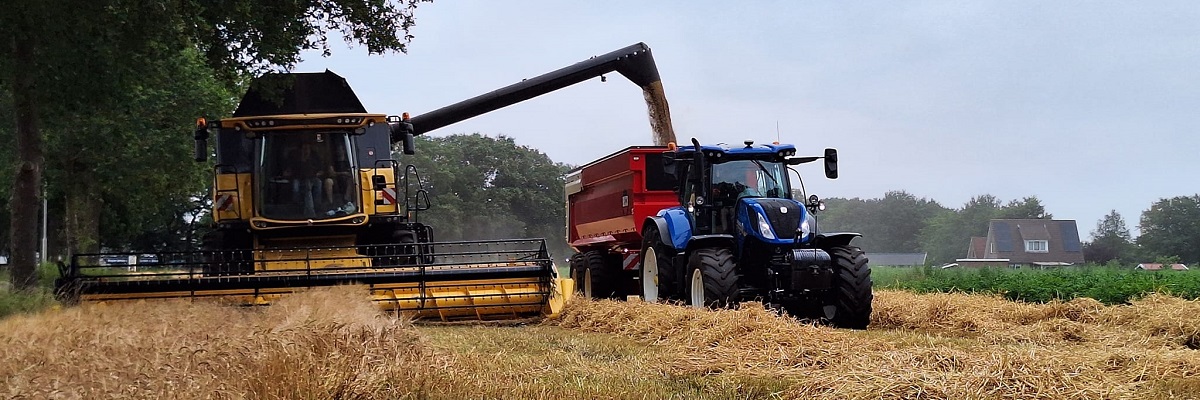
(308, 192)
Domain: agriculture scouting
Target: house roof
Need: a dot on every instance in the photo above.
(895, 259)
(1008, 237)
(978, 247)
(1159, 267)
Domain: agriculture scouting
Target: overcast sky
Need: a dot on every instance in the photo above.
(1090, 106)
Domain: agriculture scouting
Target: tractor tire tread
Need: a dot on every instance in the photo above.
(852, 286)
(720, 276)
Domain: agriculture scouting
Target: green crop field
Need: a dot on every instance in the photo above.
(1106, 284)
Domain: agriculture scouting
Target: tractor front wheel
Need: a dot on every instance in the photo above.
(713, 278)
(849, 302)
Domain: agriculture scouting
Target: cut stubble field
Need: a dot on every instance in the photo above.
(332, 344)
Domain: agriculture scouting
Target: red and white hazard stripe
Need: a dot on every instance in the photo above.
(389, 196)
(224, 202)
(630, 261)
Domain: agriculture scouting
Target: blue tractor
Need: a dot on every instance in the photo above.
(738, 235)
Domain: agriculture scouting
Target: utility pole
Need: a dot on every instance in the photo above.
(44, 226)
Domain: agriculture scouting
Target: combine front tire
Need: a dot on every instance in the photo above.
(713, 281)
(849, 302)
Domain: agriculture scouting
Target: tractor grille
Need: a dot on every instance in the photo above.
(785, 224)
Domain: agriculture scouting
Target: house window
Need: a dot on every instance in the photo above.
(1037, 246)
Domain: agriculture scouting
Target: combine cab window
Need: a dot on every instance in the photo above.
(307, 175)
(234, 151)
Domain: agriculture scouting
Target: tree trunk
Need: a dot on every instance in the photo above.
(27, 182)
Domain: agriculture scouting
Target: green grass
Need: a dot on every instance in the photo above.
(32, 300)
(1106, 284)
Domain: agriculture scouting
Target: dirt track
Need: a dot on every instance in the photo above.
(332, 344)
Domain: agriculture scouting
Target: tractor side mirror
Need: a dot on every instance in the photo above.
(201, 136)
(378, 182)
(831, 170)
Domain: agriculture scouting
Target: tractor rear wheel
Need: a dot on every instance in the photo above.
(849, 302)
(599, 279)
(658, 275)
(713, 281)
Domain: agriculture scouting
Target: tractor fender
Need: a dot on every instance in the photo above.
(704, 241)
(674, 226)
(660, 223)
(828, 240)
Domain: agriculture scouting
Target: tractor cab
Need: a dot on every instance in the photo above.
(742, 191)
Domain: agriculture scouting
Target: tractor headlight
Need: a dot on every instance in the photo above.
(808, 225)
(764, 227)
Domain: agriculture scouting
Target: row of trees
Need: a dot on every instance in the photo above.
(1170, 232)
(97, 99)
(901, 222)
(491, 188)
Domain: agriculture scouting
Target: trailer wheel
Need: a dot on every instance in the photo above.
(657, 272)
(849, 303)
(577, 271)
(713, 279)
(598, 282)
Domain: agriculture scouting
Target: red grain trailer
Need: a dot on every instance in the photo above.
(607, 201)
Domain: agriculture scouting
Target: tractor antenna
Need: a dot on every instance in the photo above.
(776, 131)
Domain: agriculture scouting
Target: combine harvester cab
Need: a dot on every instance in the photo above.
(308, 192)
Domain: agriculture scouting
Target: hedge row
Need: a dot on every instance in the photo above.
(1106, 284)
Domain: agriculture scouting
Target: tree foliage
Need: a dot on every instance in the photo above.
(891, 224)
(491, 188)
(69, 62)
(1110, 240)
(1171, 227)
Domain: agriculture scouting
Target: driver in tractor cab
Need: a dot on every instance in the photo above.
(731, 181)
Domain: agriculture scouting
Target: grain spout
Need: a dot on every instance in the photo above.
(659, 112)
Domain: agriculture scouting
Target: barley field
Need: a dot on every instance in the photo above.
(332, 344)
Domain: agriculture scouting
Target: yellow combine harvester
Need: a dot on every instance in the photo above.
(308, 192)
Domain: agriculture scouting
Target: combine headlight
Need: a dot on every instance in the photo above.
(764, 227)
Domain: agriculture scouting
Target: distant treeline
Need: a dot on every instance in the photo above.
(900, 222)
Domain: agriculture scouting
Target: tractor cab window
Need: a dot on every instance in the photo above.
(748, 178)
(306, 175)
